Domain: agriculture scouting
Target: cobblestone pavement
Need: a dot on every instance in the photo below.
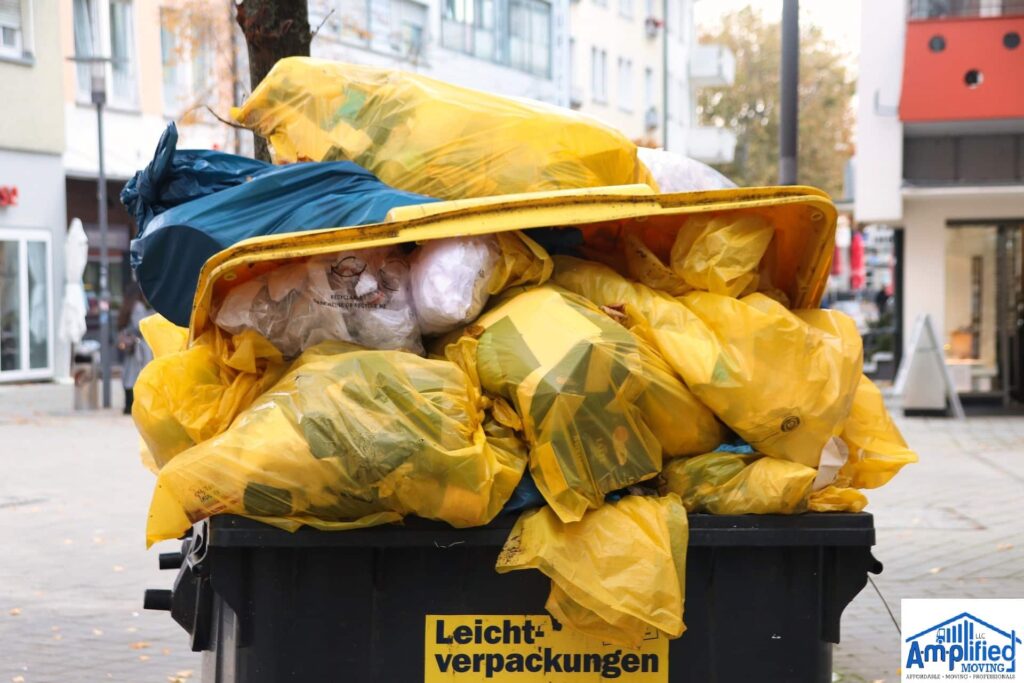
(73, 500)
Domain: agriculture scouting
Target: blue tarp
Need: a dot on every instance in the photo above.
(177, 234)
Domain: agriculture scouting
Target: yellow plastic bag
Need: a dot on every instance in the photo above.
(187, 396)
(734, 484)
(721, 255)
(163, 336)
(614, 574)
(431, 137)
(784, 385)
(836, 499)
(596, 404)
(349, 437)
(877, 449)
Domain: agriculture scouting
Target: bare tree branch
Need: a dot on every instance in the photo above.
(223, 120)
(322, 22)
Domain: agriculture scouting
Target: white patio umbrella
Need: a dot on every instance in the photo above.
(76, 255)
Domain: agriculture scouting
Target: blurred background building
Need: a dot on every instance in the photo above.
(940, 161)
(32, 218)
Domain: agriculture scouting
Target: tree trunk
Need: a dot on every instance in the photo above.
(273, 29)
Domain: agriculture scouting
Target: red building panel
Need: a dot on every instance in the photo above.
(963, 69)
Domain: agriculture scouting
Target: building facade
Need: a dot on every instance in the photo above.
(637, 64)
(511, 47)
(171, 62)
(940, 157)
(32, 218)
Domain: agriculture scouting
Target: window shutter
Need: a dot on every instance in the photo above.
(10, 13)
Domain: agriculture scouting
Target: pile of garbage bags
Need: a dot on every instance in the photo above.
(602, 388)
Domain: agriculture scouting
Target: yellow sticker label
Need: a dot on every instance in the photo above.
(530, 649)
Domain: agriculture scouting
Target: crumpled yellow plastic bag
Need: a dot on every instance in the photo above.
(186, 396)
(877, 449)
(614, 574)
(349, 437)
(741, 484)
(596, 404)
(431, 137)
(735, 484)
(720, 254)
(783, 384)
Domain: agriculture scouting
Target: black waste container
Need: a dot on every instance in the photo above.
(764, 596)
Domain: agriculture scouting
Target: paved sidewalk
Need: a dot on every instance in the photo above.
(73, 501)
(948, 527)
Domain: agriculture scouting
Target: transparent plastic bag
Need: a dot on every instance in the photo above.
(677, 173)
(186, 396)
(349, 437)
(784, 385)
(596, 404)
(450, 281)
(614, 574)
(360, 296)
(438, 139)
(734, 484)
(721, 255)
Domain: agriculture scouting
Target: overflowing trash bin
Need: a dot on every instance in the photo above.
(558, 423)
(764, 598)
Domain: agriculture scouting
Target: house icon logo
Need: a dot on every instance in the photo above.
(962, 645)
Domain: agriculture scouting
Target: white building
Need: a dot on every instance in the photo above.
(636, 65)
(940, 157)
(32, 219)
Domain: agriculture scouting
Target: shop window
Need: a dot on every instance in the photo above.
(971, 310)
(25, 305)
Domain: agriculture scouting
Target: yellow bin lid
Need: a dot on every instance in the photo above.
(804, 219)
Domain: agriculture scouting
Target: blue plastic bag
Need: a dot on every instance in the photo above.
(175, 243)
(175, 177)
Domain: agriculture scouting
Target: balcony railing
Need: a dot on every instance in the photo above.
(938, 9)
(712, 66)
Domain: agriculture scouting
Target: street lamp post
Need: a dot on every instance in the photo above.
(98, 73)
(98, 88)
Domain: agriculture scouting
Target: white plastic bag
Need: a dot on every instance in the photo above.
(677, 173)
(359, 296)
(449, 279)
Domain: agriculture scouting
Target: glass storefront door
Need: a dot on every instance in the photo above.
(984, 300)
(26, 305)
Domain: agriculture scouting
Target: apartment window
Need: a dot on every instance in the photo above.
(626, 8)
(408, 26)
(87, 34)
(122, 53)
(187, 64)
(11, 28)
(649, 9)
(625, 84)
(529, 36)
(515, 33)
(599, 75)
(469, 26)
(114, 39)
